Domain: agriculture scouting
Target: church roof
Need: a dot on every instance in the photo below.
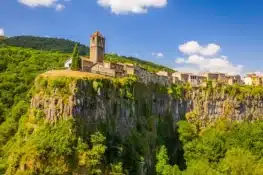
(97, 33)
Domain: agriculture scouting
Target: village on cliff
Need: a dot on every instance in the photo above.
(95, 64)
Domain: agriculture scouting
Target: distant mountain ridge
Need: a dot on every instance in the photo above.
(45, 43)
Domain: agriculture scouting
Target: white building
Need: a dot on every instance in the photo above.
(68, 63)
(248, 81)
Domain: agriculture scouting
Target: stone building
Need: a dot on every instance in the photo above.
(214, 76)
(253, 79)
(223, 78)
(193, 79)
(234, 79)
(180, 77)
(95, 63)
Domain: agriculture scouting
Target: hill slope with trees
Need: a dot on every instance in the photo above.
(18, 69)
(67, 46)
(45, 43)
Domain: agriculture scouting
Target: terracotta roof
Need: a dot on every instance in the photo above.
(97, 33)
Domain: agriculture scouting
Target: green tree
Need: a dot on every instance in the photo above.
(76, 62)
(239, 162)
(187, 131)
(91, 157)
(163, 167)
(45, 43)
(200, 167)
(116, 169)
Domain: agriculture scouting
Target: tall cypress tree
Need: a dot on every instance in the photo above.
(76, 62)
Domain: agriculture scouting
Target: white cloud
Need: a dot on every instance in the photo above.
(2, 32)
(60, 7)
(43, 3)
(193, 47)
(210, 50)
(37, 3)
(131, 6)
(214, 64)
(205, 59)
(187, 69)
(158, 54)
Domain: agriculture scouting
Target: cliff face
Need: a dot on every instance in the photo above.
(219, 103)
(95, 102)
(126, 110)
(100, 102)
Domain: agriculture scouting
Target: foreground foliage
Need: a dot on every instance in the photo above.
(18, 69)
(227, 148)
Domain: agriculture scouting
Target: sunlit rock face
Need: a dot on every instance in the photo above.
(124, 106)
(150, 111)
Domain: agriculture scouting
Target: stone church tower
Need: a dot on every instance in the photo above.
(97, 48)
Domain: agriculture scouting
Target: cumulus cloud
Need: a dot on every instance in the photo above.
(205, 59)
(60, 7)
(214, 64)
(37, 3)
(2, 32)
(43, 3)
(158, 54)
(131, 6)
(193, 47)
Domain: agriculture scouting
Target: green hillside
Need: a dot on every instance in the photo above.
(45, 43)
(67, 46)
(18, 69)
(150, 66)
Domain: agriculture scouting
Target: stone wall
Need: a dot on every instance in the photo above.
(148, 77)
(99, 68)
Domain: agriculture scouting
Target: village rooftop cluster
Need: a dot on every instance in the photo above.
(95, 64)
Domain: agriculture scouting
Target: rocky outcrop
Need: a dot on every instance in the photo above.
(125, 105)
(211, 106)
(109, 104)
(139, 116)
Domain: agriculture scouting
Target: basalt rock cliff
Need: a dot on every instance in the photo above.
(125, 109)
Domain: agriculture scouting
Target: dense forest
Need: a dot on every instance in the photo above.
(225, 148)
(18, 69)
(45, 43)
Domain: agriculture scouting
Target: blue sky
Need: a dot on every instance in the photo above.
(189, 35)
